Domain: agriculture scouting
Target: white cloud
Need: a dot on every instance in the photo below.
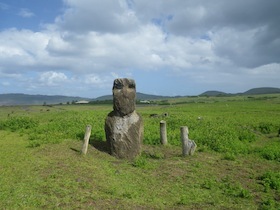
(244, 48)
(102, 16)
(25, 13)
(232, 21)
(97, 81)
(22, 49)
(57, 46)
(92, 42)
(93, 79)
(5, 83)
(267, 71)
(51, 78)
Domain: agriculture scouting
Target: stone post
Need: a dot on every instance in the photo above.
(163, 132)
(86, 139)
(188, 146)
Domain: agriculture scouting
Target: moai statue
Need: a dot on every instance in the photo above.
(123, 126)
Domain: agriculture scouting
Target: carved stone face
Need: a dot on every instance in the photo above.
(124, 95)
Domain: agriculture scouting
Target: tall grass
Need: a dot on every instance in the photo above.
(227, 127)
(236, 165)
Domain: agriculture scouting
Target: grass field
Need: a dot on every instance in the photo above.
(236, 165)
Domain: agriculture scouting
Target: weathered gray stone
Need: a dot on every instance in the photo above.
(124, 96)
(188, 145)
(124, 134)
(123, 126)
(191, 146)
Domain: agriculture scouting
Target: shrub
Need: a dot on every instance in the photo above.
(265, 128)
(229, 156)
(209, 184)
(268, 204)
(140, 162)
(234, 189)
(33, 144)
(271, 151)
(271, 180)
(18, 123)
(184, 200)
(246, 135)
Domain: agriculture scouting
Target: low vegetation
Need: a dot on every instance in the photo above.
(236, 165)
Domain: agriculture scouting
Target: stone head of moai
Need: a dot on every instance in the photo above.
(124, 96)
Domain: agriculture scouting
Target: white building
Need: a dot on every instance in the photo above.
(82, 102)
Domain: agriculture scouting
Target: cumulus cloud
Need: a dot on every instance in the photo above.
(21, 49)
(25, 13)
(51, 78)
(102, 16)
(5, 83)
(244, 27)
(91, 42)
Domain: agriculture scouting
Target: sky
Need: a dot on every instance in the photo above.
(178, 47)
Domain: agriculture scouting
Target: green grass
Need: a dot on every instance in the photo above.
(57, 176)
(236, 165)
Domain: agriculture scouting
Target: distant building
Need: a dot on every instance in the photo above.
(82, 102)
(145, 102)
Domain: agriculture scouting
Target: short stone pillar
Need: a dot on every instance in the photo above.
(86, 139)
(124, 126)
(163, 133)
(188, 145)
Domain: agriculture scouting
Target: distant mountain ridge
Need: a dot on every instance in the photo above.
(213, 93)
(25, 99)
(139, 96)
(253, 91)
(262, 90)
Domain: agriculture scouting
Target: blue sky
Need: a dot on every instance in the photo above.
(28, 14)
(179, 47)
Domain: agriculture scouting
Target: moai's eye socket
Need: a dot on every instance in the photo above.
(131, 85)
(118, 85)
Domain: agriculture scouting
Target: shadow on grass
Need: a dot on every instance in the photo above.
(75, 150)
(99, 145)
(96, 143)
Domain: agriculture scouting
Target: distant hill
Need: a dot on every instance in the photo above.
(262, 90)
(139, 96)
(103, 98)
(253, 91)
(213, 93)
(25, 99)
